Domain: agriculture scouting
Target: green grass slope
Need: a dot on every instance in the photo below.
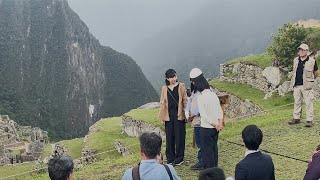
(293, 141)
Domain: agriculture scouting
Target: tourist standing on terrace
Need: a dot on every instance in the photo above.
(173, 102)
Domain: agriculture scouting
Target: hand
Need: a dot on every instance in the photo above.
(160, 158)
(216, 125)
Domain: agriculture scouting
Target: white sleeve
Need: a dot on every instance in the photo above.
(203, 109)
(218, 110)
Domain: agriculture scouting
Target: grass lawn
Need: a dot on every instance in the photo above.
(146, 115)
(294, 141)
(103, 137)
(6, 171)
(261, 60)
(74, 147)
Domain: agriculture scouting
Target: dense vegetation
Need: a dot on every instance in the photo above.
(288, 39)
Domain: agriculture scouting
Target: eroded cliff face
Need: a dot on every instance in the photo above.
(56, 75)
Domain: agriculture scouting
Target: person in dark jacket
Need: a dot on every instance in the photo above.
(313, 171)
(255, 165)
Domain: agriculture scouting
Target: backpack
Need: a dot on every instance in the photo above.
(136, 175)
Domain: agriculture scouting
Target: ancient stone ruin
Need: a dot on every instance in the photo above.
(20, 143)
(134, 127)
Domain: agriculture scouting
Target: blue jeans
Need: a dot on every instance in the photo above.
(197, 137)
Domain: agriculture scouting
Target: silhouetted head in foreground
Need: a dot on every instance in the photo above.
(214, 173)
(252, 137)
(60, 168)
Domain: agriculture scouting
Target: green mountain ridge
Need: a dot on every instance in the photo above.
(56, 75)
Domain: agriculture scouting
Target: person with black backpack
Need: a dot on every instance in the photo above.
(150, 167)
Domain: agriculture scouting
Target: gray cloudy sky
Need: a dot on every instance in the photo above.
(122, 24)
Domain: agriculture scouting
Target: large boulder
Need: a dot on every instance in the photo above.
(284, 88)
(273, 75)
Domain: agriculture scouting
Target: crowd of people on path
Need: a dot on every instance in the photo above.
(201, 106)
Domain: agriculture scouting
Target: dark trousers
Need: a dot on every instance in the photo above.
(198, 142)
(209, 147)
(175, 140)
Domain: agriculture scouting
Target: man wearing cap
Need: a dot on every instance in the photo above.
(305, 71)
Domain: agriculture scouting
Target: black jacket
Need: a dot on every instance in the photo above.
(255, 166)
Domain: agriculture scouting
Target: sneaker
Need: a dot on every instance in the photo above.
(196, 167)
(178, 164)
(294, 121)
(170, 163)
(308, 124)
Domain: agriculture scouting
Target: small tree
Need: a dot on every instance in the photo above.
(285, 44)
(313, 39)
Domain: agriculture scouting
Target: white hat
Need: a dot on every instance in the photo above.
(304, 47)
(195, 72)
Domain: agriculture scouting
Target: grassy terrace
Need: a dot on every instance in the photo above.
(261, 60)
(294, 141)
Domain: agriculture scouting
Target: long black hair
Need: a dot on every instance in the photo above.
(170, 73)
(200, 83)
(193, 88)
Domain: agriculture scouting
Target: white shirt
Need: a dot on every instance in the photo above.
(250, 152)
(209, 108)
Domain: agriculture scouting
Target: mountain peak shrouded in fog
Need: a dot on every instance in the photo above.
(183, 34)
(57, 76)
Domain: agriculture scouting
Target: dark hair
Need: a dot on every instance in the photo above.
(150, 143)
(60, 167)
(170, 73)
(201, 83)
(189, 92)
(318, 148)
(194, 88)
(215, 173)
(252, 137)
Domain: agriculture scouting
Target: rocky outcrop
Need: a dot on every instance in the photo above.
(134, 127)
(121, 148)
(241, 108)
(273, 75)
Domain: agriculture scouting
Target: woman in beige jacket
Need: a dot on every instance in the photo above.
(173, 102)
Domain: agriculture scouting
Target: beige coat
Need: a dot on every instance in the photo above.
(182, 103)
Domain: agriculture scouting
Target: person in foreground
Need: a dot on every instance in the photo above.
(255, 165)
(150, 167)
(60, 168)
(214, 173)
(313, 171)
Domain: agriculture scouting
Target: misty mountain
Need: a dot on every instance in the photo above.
(54, 73)
(219, 32)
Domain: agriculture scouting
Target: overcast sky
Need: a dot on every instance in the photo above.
(122, 24)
